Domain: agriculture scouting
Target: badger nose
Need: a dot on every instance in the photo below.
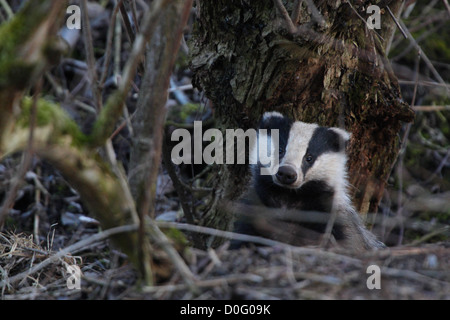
(286, 175)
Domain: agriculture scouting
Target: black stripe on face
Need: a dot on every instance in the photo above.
(322, 141)
(283, 124)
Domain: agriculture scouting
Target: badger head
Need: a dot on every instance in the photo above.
(306, 152)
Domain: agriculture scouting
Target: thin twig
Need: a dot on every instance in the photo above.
(182, 88)
(429, 235)
(327, 236)
(7, 9)
(127, 23)
(37, 212)
(425, 35)
(396, 22)
(295, 16)
(122, 125)
(416, 78)
(364, 20)
(148, 27)
(424, 56)
(90, 58)
(431, 108)
(412, 275)
(181, 191)
(257, 240)
(447, 6)
(285, 15)
(109, 43)
(115, 103)
(117, 50)
(134, 15)
(227, 280)
(316, 15)
(425, 83)
(399, 171)
(176, 259)
(207, 169)
(26, 160)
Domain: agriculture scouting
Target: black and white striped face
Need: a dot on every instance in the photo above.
(307, 152)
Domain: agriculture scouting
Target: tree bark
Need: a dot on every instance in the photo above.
(332, 70)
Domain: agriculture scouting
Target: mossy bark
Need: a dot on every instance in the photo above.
(22, 54)
(58, 140)
(334, 74)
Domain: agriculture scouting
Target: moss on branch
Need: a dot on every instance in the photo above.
(51, 114)
(24, 43)
(107, 119)
(21, 39)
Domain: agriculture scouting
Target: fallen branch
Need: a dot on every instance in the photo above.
(257, 240)
(231, 279)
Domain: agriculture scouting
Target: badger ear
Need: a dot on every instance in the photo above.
(344, 134)
(344, 137)
(269, 118)
(270, 114)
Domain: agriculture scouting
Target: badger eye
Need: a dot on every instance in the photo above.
(308, 158)
(281, 151)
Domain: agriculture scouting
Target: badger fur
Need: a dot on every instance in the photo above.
(311, 177)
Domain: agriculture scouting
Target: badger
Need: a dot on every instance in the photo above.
(311, 178)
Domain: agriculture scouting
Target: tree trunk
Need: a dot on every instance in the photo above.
(332, 70)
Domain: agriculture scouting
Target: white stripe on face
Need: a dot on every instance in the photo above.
(330, 168)
(299, 138)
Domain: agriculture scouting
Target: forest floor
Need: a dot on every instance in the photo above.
(32, 271)
(248, 273)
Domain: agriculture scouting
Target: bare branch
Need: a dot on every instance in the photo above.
(431, 108)
(89, 51)
(424, 57)
(109, 115)
(7, 9)
(397, 23)
(127, 23)
(148, 123)
(285, 15)
(295, 16)
(447, 6)
(109, 41)
(315, 14)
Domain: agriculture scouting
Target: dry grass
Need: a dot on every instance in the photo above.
(20, 278)
(414, 218)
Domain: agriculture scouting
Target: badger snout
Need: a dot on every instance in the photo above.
(286, 175)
